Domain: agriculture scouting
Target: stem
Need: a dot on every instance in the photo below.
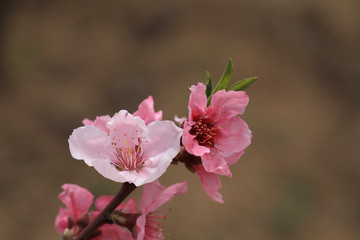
(188, 159)
(102, 218)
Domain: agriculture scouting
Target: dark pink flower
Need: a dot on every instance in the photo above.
(216, 133)
(75, 217)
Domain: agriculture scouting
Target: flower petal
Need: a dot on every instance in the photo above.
(100, 122)
(108, 170)
(114, 232)
(87, 122)
(197, 102)
(140, 226)
(228, 104)
(86, 143)
(126, 128)
(164, 137)
(146, 111)
(77, 199)
(179, 120)
(215, 163)
(234, 157)
(191, 144)
(152, 169)
(102, 201)
(163, 197)
(235, 136)
(61, 220)
(129, 206)
(150, 192)
(210, 183)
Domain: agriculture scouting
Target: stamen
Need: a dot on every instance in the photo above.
(125, 158)
(154, 224)
(205, 131)
(126, 144)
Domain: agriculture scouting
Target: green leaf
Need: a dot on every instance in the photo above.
(208, 85)
(225, 78)
(243, 84)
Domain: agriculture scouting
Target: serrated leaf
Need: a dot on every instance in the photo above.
(208, 85)
(225, 78)
(243, 84)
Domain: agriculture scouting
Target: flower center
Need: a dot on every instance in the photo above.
(127, 158)
(205, 132)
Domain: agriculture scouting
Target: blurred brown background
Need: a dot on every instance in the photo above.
(62, 61)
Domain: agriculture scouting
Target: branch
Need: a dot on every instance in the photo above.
(102, 218)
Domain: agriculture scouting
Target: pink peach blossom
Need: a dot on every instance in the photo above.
(216, 133)
(128, 150)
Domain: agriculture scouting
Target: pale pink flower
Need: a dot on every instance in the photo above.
(149, 223)
(75, 217)
(216, 133)
(127, 150)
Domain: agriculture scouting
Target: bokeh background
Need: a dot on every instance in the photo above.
(62, 61)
